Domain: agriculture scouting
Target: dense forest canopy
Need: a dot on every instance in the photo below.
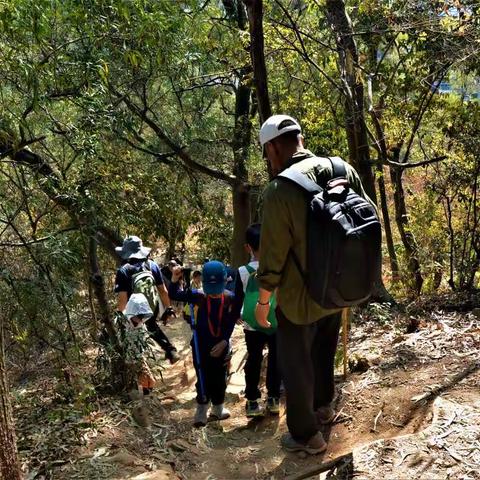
(141, 117)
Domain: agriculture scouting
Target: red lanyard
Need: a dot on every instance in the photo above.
(220, 316)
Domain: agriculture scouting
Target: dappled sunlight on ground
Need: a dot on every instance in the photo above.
(105, 442)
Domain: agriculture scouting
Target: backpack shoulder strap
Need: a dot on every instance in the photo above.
(127, 268)
(146, 266)
(300, 179)
(338, 166)
(250, 269)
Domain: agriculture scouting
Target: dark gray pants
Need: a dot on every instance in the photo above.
(255, 342)
(306, 355)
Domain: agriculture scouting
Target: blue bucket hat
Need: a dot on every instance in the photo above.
(214, 277)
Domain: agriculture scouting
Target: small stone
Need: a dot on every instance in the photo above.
(358, 364)
(124, 458)
(141, 416)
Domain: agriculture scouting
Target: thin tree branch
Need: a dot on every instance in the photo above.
(162, 157)
(303, 51)
(7, 150)
(179, 151)
(425, 103)
(418, 164)
(38, 240)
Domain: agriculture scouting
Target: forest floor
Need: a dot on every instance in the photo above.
(416, 397)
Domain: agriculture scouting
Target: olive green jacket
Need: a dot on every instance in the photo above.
(284, 229)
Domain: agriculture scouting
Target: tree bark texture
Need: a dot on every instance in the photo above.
(387, 226)
(241, 188)
(356, 128)
(98, 285)
(9, 464)
(241, 221)
(408, 239)
(257, 54)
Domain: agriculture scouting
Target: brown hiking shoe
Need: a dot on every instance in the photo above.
(325, 415)
(314, 446)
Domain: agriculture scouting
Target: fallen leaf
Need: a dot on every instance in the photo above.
(124, 458)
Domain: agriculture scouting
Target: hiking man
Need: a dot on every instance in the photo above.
(167, 272)
(140, 275)
(307, 332)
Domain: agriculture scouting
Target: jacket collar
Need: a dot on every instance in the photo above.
(298, 157)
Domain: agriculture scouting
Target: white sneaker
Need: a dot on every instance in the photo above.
(219, 412)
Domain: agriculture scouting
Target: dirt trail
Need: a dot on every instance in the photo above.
(402, 367)
(439, 359)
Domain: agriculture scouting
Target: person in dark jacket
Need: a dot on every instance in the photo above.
(215, 315)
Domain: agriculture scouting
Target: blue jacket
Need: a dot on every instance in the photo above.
(209, 333)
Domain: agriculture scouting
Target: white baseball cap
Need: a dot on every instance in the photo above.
(277, 125)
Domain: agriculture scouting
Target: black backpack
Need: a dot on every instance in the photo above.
(343, 240)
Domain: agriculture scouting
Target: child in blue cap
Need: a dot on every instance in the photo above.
(215, 313)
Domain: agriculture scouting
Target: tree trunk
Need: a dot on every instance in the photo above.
(120, 374)
(242, 137)
(170, 252)
(9, 465)
(356, 128)
(257, 53)
(241, 189)
(375, 115)
(387, 226)
(451, 236)
(98, 285)
(355, 124)
(241, 221)
(91, 302)
(408, 240)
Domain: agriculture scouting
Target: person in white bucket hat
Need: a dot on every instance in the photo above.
(135, 339)
(138, 310)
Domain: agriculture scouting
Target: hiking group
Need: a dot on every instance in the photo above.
(316, 252)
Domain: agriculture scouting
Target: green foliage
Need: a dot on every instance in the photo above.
(214, 235)
(380, 313)
(131, 107)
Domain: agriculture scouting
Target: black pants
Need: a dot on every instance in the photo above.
(213, 372)
(157, 334)
(306, 359)
(256, 342)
